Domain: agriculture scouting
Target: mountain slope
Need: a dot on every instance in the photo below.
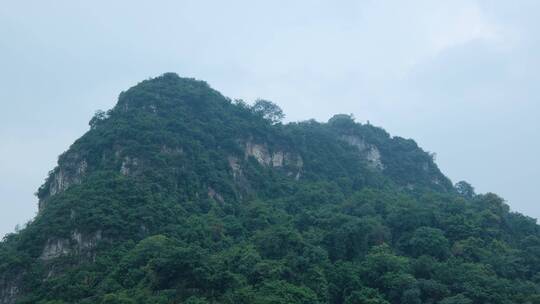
(180, 195)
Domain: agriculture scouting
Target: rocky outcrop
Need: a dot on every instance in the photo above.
(236, 170)
(9, 288)
(78, 243)
(85, 242)
(291, 162)
(171, 151)
(55, 248)
(215, 195)
(275, 159)
(373, 156)
(238, 176)
(70, 171)
(369, 152)
(259, 152)
(129, 165)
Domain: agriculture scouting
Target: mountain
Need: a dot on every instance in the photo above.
(181, 195)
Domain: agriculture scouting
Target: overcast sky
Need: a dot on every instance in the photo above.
(462, 78)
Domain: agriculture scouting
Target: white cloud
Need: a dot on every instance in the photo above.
(453, 26)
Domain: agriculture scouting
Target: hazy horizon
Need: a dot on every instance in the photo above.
(458, 77)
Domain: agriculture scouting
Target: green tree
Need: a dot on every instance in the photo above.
(366, 296)
(457, 299)
(268, 110)
(428, 241)
(465, 189)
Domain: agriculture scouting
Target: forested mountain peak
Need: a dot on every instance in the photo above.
(165, 90)
(177, 114)
(181, 195)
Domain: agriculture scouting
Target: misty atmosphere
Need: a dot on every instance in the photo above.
(280, 152)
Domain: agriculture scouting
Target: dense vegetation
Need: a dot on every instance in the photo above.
(179, 222)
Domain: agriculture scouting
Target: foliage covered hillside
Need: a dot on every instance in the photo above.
(180, 195)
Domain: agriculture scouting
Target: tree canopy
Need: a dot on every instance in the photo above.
(180, 195)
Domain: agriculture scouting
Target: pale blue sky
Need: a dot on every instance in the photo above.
(460, 77)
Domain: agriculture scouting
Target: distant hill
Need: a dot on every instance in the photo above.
(181, 195)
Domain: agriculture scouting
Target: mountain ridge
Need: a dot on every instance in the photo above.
(336, 212)
(151, 103)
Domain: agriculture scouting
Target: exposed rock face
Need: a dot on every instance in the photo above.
(86, 241)
(373, 157)
(368, 151)
(238, 175)
(9, 289)
(70, 171)
(259, 152)
(172, 151)
(287, 162)
(56, 247)
(235, 167)
(215, 195)
(276, 159)
(129, 165)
